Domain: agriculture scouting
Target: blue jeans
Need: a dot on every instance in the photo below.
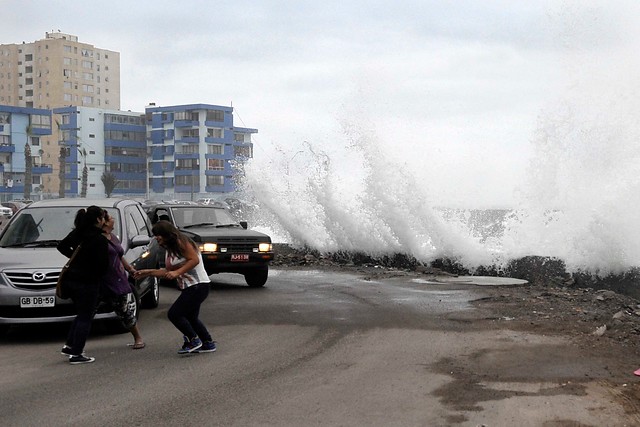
(85, 299)
(185, 311)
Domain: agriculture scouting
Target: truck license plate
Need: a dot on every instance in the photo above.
(37, 301)
(239, 257)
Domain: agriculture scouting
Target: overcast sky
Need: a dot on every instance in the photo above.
(455, 87)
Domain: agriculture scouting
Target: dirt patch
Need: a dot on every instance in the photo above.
(551, 303)
(602, 323)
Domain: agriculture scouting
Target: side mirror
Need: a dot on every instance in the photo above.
(244, 224)
(140, 241)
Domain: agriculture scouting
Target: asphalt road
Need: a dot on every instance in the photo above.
(311, 348)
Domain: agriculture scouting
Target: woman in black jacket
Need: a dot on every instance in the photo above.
(84, 276)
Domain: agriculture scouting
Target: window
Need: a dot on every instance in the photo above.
(191, 133)
(67, 48)
(215, 133)
(87, 64)
(87, 76)
(86, 100)
(215, 164)
(238, 137)
(215, 149)
(66, 61)
(188, 180)
(67, 97)
(186, 115)
(28, 69)
(188, 149)
(35, 141)
(215, 180)
(87, 88)
(187, 164)
(215, 116)
(28, 57)
(67, 85)
(40, 121)
(242, 151)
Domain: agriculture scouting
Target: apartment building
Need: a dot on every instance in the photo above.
(99, 141)
(23, 129)
(59, 71)
(195, 150)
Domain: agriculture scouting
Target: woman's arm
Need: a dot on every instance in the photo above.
(128, 267)
(160, 272)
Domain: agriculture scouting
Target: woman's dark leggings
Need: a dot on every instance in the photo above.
(85, 299)
(185, 311)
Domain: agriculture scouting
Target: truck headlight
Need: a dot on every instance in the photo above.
(209, 247)
(264, 247)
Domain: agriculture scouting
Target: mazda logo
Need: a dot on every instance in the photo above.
(38, 276)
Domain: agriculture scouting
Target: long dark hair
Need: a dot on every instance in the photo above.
(87, 218)
(173, 239)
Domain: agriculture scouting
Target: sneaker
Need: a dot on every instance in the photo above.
(207, 347)
(185, 344)
(66, 351)
(81, 359)
(191, 346)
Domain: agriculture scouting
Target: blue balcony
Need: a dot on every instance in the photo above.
(186, 123)
(41, 169)
(7, 148)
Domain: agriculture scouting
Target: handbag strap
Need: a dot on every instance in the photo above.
(74, 255)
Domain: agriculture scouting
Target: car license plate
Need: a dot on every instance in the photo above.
(37, 301)
(239, 257)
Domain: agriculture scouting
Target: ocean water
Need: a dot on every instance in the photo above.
(573, 194)
(577, 201)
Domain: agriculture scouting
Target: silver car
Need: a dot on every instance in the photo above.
(30, 263)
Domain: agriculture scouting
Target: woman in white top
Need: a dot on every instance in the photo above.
(184, 263)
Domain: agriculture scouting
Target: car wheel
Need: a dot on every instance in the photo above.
(257, 278)
(152, 298)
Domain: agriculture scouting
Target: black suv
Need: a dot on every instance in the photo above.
(30, 263)
(227, 246)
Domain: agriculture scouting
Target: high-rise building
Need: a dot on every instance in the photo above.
(195, 150)
(95, 141)
(59, 71)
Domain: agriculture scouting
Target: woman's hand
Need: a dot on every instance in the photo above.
(140, 274)
(170, 275)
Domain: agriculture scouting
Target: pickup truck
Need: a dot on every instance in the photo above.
(227, 246)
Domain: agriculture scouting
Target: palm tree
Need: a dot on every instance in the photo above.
(110, 182)
(85, 173)
(28, 168)
(63, 154)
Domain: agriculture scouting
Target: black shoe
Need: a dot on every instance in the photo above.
(78, 360)
(207, 347)
(66, 350)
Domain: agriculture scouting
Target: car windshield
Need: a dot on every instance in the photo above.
(44, 226)
(195, 215)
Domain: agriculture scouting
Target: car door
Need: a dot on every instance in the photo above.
(136, 228)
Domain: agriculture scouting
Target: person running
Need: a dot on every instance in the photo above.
(84, 276)
(184, 263)
(116, 289)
